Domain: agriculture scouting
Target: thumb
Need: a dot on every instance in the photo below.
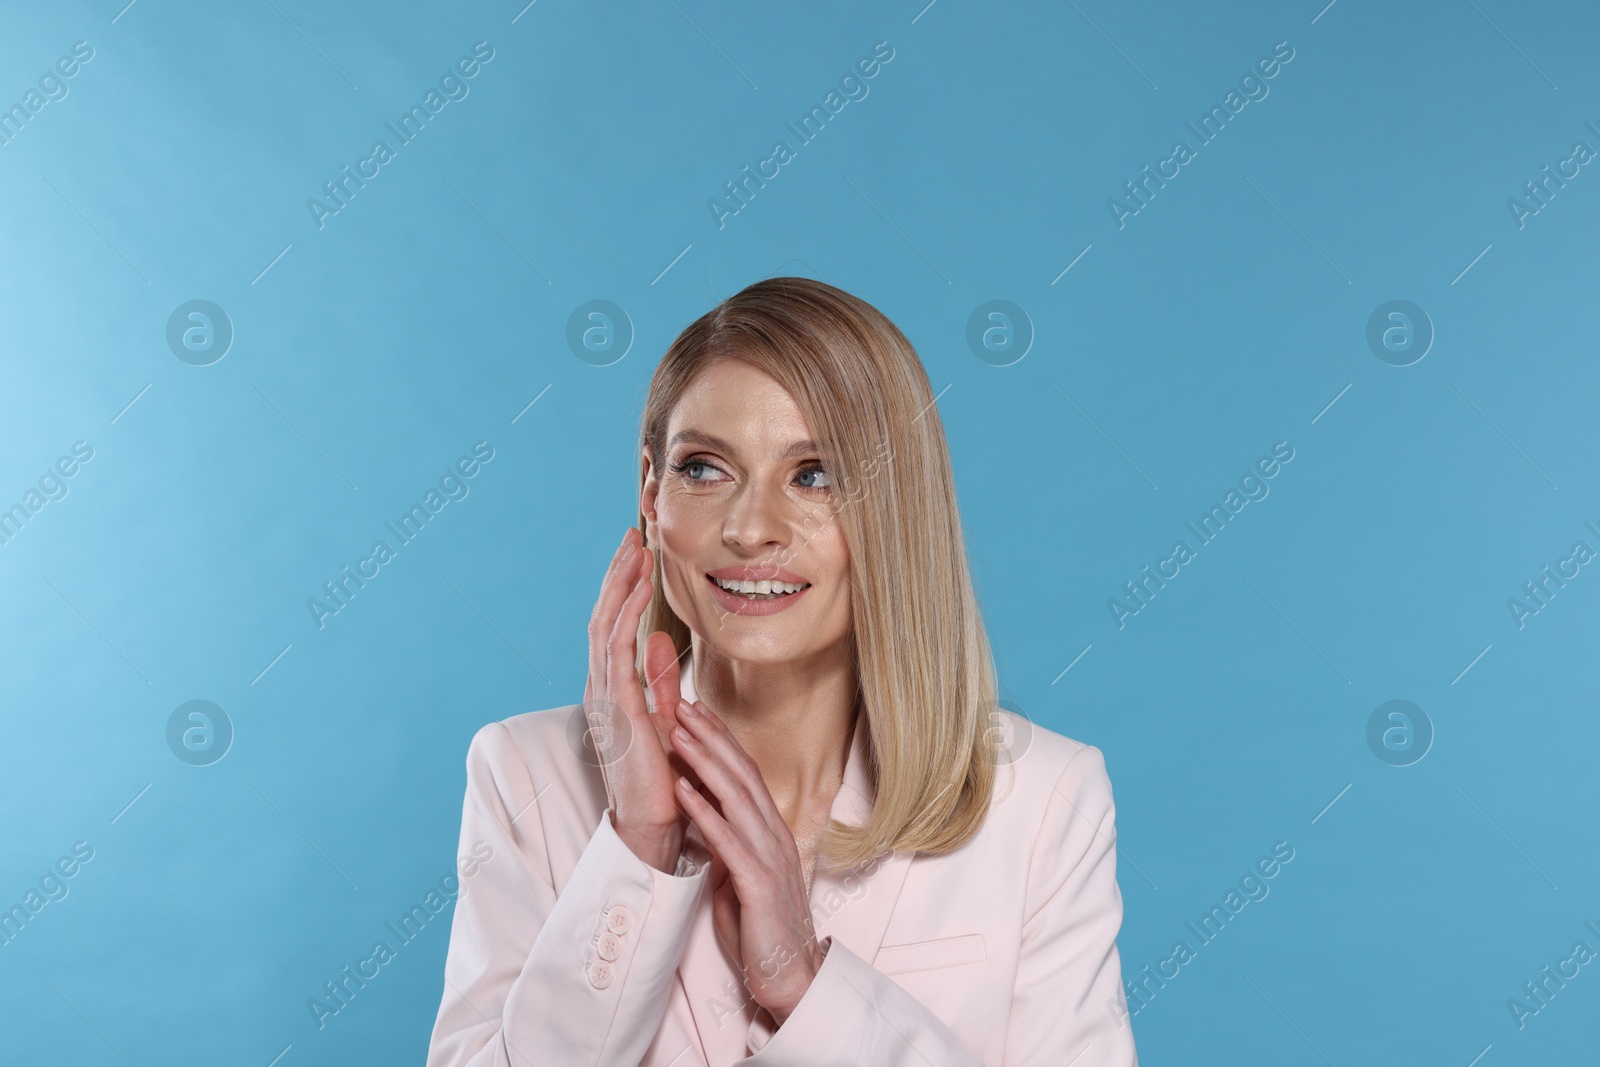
(662, 676)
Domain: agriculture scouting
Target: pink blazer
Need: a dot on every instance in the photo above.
(567, 949)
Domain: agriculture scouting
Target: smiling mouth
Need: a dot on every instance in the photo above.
(763, 590)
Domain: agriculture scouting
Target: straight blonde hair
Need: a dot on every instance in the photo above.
(925, 671)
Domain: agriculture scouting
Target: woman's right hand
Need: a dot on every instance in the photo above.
(634, 745)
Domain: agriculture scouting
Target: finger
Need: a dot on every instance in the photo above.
(719, 836)
(623, 580)
(722, 782)
(601, 622)
(644, 575)
(675, 763)
(616, 557)
(621, 667)
(620, 705)
(619, 564)
(713, 736)
(627, 541)
(683, 768)
(739, 809)
(662, 670)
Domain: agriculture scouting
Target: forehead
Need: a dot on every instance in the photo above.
(742, 406)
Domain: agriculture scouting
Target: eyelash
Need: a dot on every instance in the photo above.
(683, 467)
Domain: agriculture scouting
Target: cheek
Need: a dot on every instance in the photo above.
(685, 523)
(828, 548)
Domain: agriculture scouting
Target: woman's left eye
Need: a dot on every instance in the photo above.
(818, 472)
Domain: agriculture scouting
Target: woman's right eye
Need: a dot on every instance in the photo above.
(691, 465)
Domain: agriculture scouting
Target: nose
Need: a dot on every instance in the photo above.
(757, 519)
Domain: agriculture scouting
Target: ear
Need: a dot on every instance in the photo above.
(649, 488)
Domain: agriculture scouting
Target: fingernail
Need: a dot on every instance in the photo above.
(687, 708)
(681, 734)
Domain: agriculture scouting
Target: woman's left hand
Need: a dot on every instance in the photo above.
(760, 904)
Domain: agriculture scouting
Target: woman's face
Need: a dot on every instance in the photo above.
(740, 494)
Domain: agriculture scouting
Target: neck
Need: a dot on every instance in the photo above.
(795, 719)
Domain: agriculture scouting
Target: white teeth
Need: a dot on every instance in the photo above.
(761, 588)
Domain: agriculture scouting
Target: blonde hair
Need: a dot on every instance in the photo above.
(926, 675)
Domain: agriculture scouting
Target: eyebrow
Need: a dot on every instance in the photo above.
(797, 450)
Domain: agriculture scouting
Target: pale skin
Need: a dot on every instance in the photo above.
(757, 761)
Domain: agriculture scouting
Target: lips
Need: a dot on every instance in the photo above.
(758, 574)
(736, 604)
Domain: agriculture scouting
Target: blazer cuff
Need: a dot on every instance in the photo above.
(825, 1010)
(609, 949)
(688, 865)
(854, 1013)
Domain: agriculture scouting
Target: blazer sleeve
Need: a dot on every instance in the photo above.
(1067, 1006)
(536, 977)
(853, 1013)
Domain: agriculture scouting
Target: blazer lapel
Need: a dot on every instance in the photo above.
(854, 905)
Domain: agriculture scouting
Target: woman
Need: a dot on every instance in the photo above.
(813, 845)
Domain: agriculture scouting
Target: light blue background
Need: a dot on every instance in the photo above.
(1227, 315)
